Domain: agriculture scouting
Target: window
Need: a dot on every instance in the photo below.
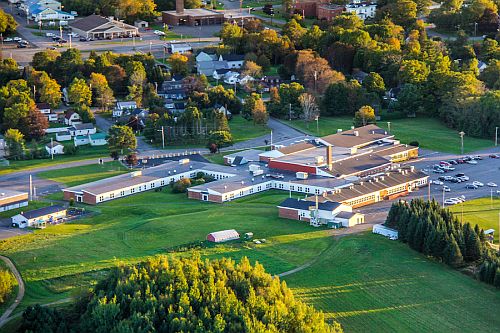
(162, 183)
(122, 193)
(317, 191)
(101, 198)
(251, 190)
(292, 188)
(112, 196)
(132, 190)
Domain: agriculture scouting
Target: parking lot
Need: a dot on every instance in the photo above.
(485, 171)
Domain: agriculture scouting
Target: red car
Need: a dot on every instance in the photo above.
(494, 156)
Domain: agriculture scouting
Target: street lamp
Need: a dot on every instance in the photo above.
(317, 124)
(462, 141)
(389, 126)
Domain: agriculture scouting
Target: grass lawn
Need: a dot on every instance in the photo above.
(243, 129)
(483, 212)
(371, 284)
(84, 174)
(84, 153)
(430, 133)
(59, 259)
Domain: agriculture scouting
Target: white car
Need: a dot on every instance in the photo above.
(471, 162)
(159, 33)
(451, 201)
(50, 34)
(17, 39)
(446, 189)
(491, 184)
(74, 34)
(478, 184)
(8, 39)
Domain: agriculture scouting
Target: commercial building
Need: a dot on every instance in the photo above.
(192, 17)
(99, 27)
(39, 217)
(10, 199)
(324, 10)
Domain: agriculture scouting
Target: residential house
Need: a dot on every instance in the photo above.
(81, 140)
(82, 129)
(203, 56)
(39, 217)
(231, 77)
(176, 94)
(123, 107)
(43, 108)
(72, 118)
(98, 139)
(244, 79)
(179, 107)
(222, 109)
(99, 27)
(208, 67)
(363, 10)
(218, 74)
(53, 117)
(169, 104)
(63, 136)
(270, 81)
(54, 148)
(233, 60)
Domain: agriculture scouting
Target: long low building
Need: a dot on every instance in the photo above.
(39, 217)
(10, 199)
(96, 26)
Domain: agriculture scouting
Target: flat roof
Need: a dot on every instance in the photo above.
(194, 12)
(9, 196)
(358, 164)
(249, 154)
(357, 137)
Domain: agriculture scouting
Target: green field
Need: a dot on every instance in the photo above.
(371, 284)
(84, 174)
(430, 133)
(483, 212)
(243, 129)
(56, 260)
(84, 153)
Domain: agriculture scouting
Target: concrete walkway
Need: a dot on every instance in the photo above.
(20, 293)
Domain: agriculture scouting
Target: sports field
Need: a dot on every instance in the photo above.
(371, 284)
(430, 133)
(485, 212)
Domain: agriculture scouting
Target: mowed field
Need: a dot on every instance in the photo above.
(483, 212)
(430, 133)
(56, 260)
(371, 284)
(243, 129)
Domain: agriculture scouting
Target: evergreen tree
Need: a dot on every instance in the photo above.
(452, 254)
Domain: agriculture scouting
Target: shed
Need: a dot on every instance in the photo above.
(141, 24)
(223, 236)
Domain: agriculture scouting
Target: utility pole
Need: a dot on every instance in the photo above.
(289, 111)
(443, 196)
(51, 149)
(389, 127)
(429, 190)
(271, 139)
(163, 136)
(31, 188)
(496, 136)
(69, 41)
(60, 30)
(462, 141)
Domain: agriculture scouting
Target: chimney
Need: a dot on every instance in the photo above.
(329, 159)
(179, 6)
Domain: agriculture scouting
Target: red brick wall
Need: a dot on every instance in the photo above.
(328, 13)
(69, 195)
(89, 198)
(194, 195)
(215, 198)
(289, 213)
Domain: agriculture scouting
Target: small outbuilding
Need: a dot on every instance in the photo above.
(381, 229)
(141, 24)
(223, 236)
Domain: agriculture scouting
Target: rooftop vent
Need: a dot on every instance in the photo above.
(356, 133)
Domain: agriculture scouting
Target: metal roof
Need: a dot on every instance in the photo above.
(33, 214)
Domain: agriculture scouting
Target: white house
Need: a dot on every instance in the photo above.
(363, 10)
(179, 48)
(43, 108)
(82, 129)
(54, 148)
(63, 136)
(123, 107)
(72, 118)
(169, 103)
(244, 79)
(81, 140)
(203, 56)
(97, 139)
(38, 217)
(233, 60)
(231, 77)
(52, 117)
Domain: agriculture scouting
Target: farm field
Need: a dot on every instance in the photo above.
(60, 259)
(371, 284)
(483, 212)
(84, 174)
(429, 133)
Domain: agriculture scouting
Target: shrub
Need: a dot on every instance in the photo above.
(181, 185)
(7, 284)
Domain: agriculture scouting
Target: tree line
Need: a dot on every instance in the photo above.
(436, 232)
(183, 295)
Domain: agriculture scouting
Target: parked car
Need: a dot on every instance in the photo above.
(437, 182)
(453, 162)
(471, 162)
(494, 156)
(471, 186)
(438, 171)
(446, 188)
(50, 34)
(21, 46)
(478, 184)
(491, 184)
(17, 39)
(159, 33)
(460, 161)
(451, 201)
(8, 39)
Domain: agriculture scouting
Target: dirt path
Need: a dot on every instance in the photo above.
(20, 293)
